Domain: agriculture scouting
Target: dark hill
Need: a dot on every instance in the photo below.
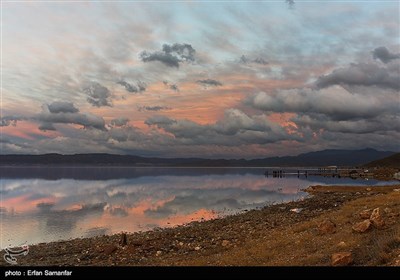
(320, 158)
(390, 161)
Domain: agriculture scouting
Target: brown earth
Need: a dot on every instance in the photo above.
(277, 235)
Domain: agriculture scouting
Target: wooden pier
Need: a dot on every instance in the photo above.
(331, 171)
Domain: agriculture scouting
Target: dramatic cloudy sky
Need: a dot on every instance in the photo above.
(212, 79)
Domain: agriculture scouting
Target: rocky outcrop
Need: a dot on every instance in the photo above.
(362, 226)
(342, 259)
(326, 227)
(365, 214)
(391, 216)
(108, 250)
(377, 219)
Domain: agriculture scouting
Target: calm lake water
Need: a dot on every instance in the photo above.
(47, 204)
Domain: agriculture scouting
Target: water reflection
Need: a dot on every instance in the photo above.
(41, 210)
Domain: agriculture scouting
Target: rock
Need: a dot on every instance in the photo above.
(123, 241)
(388, 211)
(131, 249)
(365, 214)
(376, 218)
(180, 243)
(110, 249)
(368, 189)
(396, 190)
(326, 226)
(342, 259)
(158, 253)
(342, 244)
(225, 243)
(362, 226)
(197, 248)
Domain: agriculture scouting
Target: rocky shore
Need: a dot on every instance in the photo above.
(336, 225)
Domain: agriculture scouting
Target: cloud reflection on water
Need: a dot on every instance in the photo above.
(45, 210)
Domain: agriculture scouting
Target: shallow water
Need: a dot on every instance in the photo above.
(47, 204)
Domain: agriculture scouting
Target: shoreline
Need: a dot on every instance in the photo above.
(236, 240)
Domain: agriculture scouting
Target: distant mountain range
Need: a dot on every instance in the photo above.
(390, 161)
(320, 158)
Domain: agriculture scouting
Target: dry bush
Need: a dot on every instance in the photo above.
(378, 251)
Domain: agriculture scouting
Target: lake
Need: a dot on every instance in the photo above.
(42, 204)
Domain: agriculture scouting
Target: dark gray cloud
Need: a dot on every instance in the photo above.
(359, 99)
(160, 121)
(10, 120)
(62, 107)
(139, 87)
(13, 145)
(380, 124)
(209, 82)
(128, 86)
(45, 126)
(119, 122)
(153, 108)
(98, 95)
(235, 128)
(259, 60)
(185, 51)
(174, 87)
(86, 120)
(170, 55)
(166, 59)
(45, 206)
(362, 74)
(384, 55)
(290, 4)
(244, 59)
(337, 103)
(120, 134)
(66, 113)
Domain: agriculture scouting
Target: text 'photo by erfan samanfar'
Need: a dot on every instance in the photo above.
(198, 133)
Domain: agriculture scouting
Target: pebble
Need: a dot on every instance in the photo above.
(225, 243)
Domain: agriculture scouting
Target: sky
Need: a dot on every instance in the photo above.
(213, 79)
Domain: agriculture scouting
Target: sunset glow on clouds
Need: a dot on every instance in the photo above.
(212, 79)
